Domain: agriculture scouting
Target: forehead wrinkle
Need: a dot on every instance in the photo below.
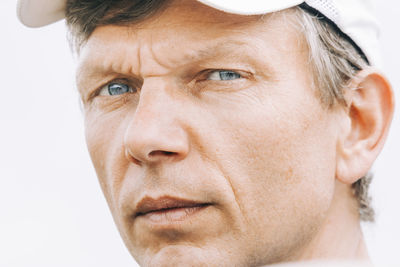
(199, 50)
(203, 53)
(123, 59)
(212, 50)
(190, 56)
(101, 58)
(157, 34)
(147, 52)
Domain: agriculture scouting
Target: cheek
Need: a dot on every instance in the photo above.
(281, 163)
(104, 135)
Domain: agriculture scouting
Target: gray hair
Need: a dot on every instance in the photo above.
(334, 61)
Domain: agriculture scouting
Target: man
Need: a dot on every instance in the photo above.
(228, 133)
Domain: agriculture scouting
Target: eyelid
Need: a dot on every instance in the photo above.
(206, 73)
(135, 85)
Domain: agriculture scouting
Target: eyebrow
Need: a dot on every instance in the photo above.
(88, 72)
(193, 55)
(219, 48)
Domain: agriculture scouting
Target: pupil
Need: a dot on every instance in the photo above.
(117, 89)
(228, 75)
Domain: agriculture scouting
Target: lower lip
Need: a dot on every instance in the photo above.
(173, 215)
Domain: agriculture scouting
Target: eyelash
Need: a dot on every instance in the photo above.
(205, 76)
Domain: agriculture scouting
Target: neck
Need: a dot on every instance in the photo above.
(340, 237)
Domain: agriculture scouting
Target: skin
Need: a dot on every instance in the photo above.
(250, 146)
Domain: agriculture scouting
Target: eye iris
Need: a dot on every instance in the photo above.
(228, 75)
(117, 89)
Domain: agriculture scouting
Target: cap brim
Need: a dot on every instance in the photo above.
(359, 26)
(251, 7)
(38, 13)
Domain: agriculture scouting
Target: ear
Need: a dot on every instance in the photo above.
(365, 124)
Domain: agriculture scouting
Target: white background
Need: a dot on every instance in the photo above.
(52, 212)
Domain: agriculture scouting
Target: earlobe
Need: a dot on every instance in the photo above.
(365, 124)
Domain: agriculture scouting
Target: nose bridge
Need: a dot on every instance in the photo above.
(153, 99)
(155, 132)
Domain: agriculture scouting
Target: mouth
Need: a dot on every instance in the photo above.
(167, 209)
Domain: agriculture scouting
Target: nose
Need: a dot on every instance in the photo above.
(155, 133)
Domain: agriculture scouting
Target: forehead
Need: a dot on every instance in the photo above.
(185, 32)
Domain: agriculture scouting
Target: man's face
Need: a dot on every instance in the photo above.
(210, 144)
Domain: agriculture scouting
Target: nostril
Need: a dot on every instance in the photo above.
(161, 153)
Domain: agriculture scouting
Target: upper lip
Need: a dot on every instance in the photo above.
(149, 204)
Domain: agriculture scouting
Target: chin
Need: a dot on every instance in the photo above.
(183, 255)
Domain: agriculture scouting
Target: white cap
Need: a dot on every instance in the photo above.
(354, 18)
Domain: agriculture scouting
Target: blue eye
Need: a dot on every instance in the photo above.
(115, 88)
(118, 88)
(224, 75)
